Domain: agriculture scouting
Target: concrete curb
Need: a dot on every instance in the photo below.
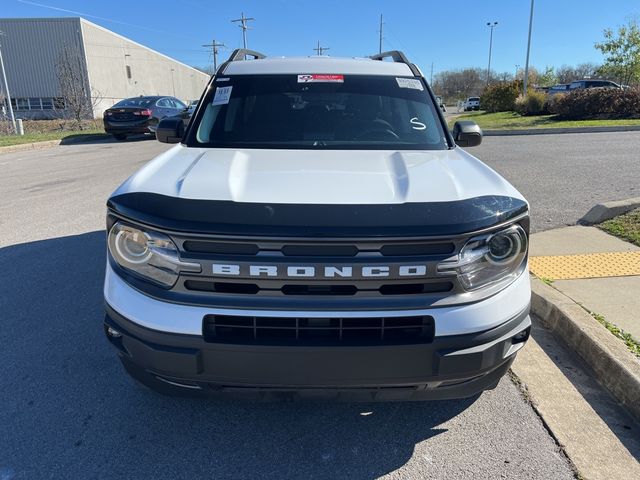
(548, 131)
(50, 143)
(614, 366)
(607, 210)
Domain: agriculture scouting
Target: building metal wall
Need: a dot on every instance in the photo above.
(32, 46)
(151, 73)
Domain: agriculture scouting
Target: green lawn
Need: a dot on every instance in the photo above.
(514, 121)
(625, 226)
(6, 140)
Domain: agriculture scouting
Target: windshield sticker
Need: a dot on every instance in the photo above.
(222, 96)
(318, 78)
(413, 83)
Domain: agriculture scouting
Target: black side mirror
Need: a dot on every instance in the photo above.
(170, 130)
(467, 133)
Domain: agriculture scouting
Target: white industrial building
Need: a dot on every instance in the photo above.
(113, 66)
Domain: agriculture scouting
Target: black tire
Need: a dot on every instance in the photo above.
(120, 136)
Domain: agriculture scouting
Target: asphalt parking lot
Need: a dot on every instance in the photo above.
(69, 411)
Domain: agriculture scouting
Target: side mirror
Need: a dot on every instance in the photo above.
(170, 130)
(467, 133)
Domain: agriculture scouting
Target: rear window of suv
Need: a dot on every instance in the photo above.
(318, 111)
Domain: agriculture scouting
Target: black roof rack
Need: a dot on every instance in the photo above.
(398, 57)
(243, 53)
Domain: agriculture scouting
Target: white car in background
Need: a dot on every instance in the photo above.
(472, 103)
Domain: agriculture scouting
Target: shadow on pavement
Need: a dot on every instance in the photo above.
(92, 139)
(598, 398)
(70, 411)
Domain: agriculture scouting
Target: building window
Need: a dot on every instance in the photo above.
(58, 103)
(47, 103)
(34, 104)
(128, 72)
(22, 104)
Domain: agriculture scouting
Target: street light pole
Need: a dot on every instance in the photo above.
(516, 75)
(526, 65)
(6, 91)
(491, 25)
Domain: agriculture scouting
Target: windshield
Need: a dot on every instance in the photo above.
(134, 102)
(318, 111)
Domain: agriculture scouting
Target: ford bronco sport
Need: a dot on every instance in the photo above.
(317, 231)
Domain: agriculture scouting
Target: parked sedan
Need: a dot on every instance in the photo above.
(139, 115)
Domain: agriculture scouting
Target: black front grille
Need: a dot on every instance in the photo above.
(318, 331)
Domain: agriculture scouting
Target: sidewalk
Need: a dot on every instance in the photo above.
(594, 269)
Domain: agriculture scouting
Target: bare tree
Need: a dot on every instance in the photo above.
(78, 97)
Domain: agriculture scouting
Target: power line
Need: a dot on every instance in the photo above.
(320, 50)
(243, 25)
(214, 48)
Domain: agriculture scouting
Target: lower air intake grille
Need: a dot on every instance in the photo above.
(318, 331)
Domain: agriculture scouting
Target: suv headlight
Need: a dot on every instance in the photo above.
(150, 255)
(488, 259)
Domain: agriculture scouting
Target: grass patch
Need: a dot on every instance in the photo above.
(631, 343)
(515, 121)
(626, 227)
(6, 140)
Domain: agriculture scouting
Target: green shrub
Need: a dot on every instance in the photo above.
(500, 97)
(597, 103)
(535, 103)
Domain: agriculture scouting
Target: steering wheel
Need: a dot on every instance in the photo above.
(377, 127)
(376, 131)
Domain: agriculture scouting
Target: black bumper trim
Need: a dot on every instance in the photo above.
(450, 367)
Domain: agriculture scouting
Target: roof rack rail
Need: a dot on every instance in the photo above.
(396, 55)
(243, 53)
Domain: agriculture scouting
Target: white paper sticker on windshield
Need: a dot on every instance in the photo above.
(222, 96)
(413, 83)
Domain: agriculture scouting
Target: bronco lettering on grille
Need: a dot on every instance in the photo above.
(322, 271)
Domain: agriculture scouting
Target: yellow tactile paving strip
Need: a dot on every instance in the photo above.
(592, 265)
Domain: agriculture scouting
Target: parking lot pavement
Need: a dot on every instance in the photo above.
(69, 411)
(563, 176)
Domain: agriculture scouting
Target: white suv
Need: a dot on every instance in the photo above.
(317, 230)
(472, 103)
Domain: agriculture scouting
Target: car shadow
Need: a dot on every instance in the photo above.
(67, 402)
(92, 139)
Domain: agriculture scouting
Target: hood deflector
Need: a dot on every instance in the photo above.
(330, 221)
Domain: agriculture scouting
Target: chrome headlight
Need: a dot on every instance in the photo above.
(150, 255)
(489, 259)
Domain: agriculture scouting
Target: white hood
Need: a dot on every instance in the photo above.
(318, 176)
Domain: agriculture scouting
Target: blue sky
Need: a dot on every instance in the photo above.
(451, 34)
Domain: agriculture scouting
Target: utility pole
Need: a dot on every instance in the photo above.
(491, 25)
(431, 77)
(6, 91)
(381, 36)
(320, 50)
(526, 65)
(515, 77)
(243, 25)
(214, 48)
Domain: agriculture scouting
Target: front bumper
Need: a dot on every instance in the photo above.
(449, 367)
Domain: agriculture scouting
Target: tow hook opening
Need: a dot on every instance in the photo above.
(522, 336)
